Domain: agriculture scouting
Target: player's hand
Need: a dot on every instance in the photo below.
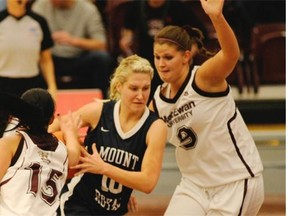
(132, 204)
(91, 163)
(68, 125)
(63, 37)
(212, 7)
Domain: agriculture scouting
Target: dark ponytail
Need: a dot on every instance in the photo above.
(197, 37)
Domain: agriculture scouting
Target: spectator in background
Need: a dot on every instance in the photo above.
(244, 15)
(80, 40)
(101, 6)
(25, 46)
(144, 20)
(2, 5)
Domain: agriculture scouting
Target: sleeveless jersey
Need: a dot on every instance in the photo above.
(11, 127)
(33, 182)
(100, 194)
(213, 144)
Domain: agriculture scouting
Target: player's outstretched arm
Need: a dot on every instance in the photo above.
(144, 180)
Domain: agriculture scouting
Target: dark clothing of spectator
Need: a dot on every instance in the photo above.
(145, 21)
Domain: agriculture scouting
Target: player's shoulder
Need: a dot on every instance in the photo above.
(11, 138)
(10, 143)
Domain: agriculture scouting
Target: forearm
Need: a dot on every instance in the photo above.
(73, 148)
(89, 44)
(226, 37)
(138, 180)
(47, 69)
(72, 145)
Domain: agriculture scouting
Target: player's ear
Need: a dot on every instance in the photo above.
(187, 56)
(119, 87)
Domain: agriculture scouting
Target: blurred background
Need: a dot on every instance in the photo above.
(258, 81)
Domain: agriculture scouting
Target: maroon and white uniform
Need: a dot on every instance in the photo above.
(220, 164)
(32, 183)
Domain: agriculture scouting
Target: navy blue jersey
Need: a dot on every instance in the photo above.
(100, 194)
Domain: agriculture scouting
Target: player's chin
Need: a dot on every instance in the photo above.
(165, 77)
(139, 106)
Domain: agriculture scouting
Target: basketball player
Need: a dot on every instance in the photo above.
(33, 165)
(220, 164)
(125, 145)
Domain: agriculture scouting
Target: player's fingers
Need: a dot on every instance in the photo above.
(94, 149)
(132, 205)
(84, 151)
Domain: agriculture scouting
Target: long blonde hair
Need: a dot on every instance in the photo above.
(128, 66)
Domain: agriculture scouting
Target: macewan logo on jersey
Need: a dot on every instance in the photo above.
(179, 114)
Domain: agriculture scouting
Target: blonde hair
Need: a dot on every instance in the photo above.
(129, 65)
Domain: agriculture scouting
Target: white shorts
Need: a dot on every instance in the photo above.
(244, 197)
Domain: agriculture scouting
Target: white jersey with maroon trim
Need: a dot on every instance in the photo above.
(213, 143)
(32, 184)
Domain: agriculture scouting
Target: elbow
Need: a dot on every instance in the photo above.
(237, 54)
(148, 188)
(232, 53)
(232, 57)
(148, 191)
